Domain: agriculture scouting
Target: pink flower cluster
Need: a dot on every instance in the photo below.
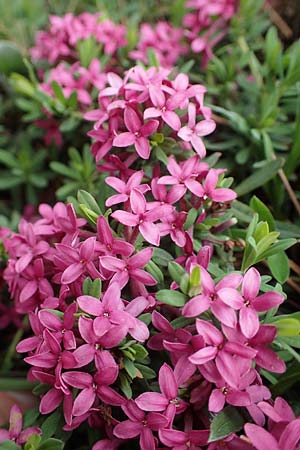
(15, 433)
(102, 307)
(146, 102)
(206, 24)
(59, 42)
(167, 42)
(76, 79)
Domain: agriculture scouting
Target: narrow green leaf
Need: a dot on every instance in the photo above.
(87, 199)
(279, 266)
(51, 444)
(176, 271)
(287, 327)
(226, 422)
(260, 177)
(9, 445)
(263, 212)
(171, 297)
(161, 257)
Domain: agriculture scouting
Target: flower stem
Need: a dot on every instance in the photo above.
(8, 359)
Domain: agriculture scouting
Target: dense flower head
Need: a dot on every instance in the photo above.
(166, 41)
(76, 79)
(206, 24)
(146, 103)
(133, 331)
(59, 42)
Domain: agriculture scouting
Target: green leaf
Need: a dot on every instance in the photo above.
(8, 159)
(287, 327)
(16, 384)
(176, 271)
(96, 288)
(279, 266)
(161, 257)
(146, 371)
(64, 170)
(171, 297)
(281, 245)
(8, 445)
(155, 271)
(50, 425)
(140, 352)
(57, 89)
(9, 181)
(129, 367)
(263, 212)
(51, 444)
(191, 218)
(260, 177)
(87, 199)
(125, 385)
(10, 58)
(226, 422)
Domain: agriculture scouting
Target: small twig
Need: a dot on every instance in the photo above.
(278, 20)
(293, 285)
(220, 120)
(289, 190)
(294, 266)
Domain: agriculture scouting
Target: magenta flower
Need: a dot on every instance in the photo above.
(94, 349)
(109, 312)
(163, 108)
(265, 357)
(211, 191)
(137, 134)
(162, 196)
(78, 262)
(182, 440)
(262, 439)
(15, 432)
(125, 189)
(63, 328)
(168, 400)
(91, 386)
(142, 218)
(107, 244)
(167, 333)
(193, 132)
(249, 303)
(221, 352)
(210, 298)
(140, 424)
(185, 174)
(130, 268)
(173, 225)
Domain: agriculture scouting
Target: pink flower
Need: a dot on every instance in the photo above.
(221, 306)
(15, 432)
(193, 132)
(137, 134)
(163, 108)
(109, 245)
(140, 424)
(129, 268)
(142, 218)
(182, 440)
(109, 312)
(185, 174)
(221, 352)
(249, 303)
(262, 439)
(91, 387)
(168, 400)
(125, 189)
